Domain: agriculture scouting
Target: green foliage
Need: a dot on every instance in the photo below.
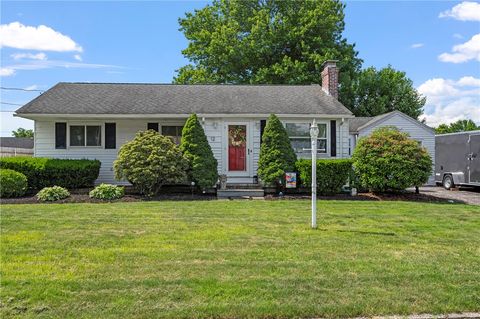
(43, 172)
(51, 194)
(203, 165)
(380, 91)
(21, 132)
(388, 160)
(276, 153)
(332, 174)
(458, 126)
(12, 183)
(276, 42)
(107, 191)
(149, 161)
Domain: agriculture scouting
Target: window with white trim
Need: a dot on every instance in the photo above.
(85, 135)
(174, 132)
(299, 134)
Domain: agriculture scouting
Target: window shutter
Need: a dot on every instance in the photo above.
(333, 138)
(110, 135)
(60, 135)
(152, 126)
(263, 123)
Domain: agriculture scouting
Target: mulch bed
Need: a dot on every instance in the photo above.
(403, 196)
(82, 197)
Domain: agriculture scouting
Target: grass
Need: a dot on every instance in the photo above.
(238, 259)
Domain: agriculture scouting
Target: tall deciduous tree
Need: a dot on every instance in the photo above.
(458, 126)
(267, 41)
(379, 91)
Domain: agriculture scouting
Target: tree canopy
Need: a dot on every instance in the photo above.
(21, 132)
(380, 91)
(458, 126)
(286, 42)
(267, 42)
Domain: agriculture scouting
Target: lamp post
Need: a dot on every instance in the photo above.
(313, 136)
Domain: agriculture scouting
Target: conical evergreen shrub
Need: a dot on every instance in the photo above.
(195, 147)
(276, 153)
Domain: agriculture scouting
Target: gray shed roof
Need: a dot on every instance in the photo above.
(16, 142)
(358, 123)
(121, 98)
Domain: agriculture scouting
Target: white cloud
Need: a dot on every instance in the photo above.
(38, 56)
(469, 81)
(417, 45)
(467, 51)
(19, 36)
(7, 71)
(465, 11)
(449, 100)
(49, 64)
(31, 87)
(457, 36)
(77, 57)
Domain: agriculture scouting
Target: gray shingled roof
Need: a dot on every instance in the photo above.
(109, 98)
(357, 122)
(16, 142)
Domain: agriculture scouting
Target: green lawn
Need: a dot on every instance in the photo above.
(238, 259)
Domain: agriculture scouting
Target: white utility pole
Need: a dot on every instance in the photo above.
(313, 136)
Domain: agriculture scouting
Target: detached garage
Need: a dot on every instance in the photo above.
(425, 135)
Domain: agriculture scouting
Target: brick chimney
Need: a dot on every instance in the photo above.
(330, 78)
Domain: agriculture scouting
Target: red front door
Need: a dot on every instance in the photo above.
(237, 148)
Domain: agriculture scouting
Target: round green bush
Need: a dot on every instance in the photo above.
(12, 183)
(107, 191)
(150, 161)
(54, 193)
(388, 160)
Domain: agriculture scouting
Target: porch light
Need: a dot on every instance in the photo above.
(313, 136)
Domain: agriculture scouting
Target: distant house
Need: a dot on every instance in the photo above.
(16, 146)
(425, 135)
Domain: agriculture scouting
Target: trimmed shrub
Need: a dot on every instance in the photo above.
(203, 165)
(107, 191)
(332, 174)
(12, 183)
(51, 194)
(276, 153)
(45, 172)
(150, 161)
(388, 160)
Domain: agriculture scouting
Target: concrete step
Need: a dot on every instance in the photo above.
(244, 186)
(240, 193)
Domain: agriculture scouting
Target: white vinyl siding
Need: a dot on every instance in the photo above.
(126, 129)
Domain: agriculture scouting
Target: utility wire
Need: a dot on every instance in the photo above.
(20, 89)
(8, 103)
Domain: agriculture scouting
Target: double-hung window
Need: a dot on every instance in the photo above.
(299, 134)
(174, 132)
(85, 135)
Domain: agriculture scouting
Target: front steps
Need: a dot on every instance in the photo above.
(246, 191)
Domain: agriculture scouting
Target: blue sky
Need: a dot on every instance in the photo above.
(436, 43)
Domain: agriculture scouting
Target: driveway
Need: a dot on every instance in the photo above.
(463, 194)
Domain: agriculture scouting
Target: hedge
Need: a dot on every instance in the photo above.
(46, 172)
(12, 184)
(332, 174)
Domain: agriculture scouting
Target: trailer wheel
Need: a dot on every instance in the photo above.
(447, 182)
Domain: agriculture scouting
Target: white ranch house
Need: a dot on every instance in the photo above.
(93, 120)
